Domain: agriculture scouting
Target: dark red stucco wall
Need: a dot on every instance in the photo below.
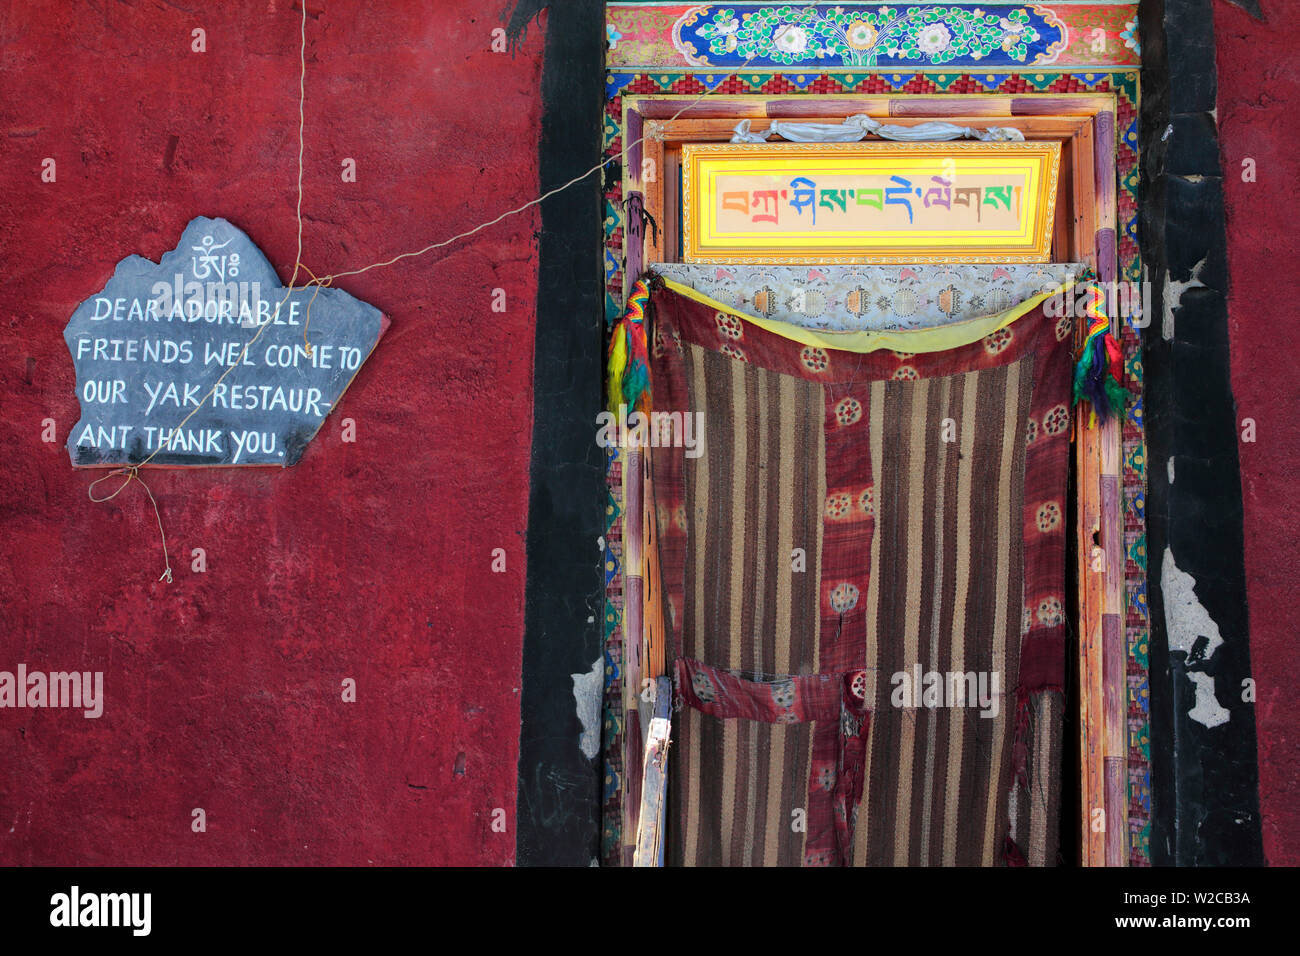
(368, 560)
(1259, 85)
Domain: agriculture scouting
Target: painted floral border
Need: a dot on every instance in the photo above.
(833, 36)
(1125, 85)
(857, 35)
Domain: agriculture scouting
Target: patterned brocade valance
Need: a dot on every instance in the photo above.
(870, 297)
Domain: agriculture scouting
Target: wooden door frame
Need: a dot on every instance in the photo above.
(654, 126)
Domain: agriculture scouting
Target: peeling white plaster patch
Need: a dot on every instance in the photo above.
(586, 695)
(1207, 710)
(1185, 618)
(1186, 621)
(1174, 296)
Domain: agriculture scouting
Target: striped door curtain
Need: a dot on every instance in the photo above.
(863, 553)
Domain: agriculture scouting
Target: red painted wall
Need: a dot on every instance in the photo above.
(1259, 85)
(368, 560)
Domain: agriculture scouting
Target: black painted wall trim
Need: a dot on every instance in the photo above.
(558, 813)
(1204, 779)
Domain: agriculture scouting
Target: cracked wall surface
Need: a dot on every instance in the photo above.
(1205, 804)
(1259, 85)
(367, 560)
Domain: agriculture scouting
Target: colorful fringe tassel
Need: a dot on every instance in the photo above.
(1099, 371)
(628, 381)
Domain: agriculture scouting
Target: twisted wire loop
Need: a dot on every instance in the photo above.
(132, 473)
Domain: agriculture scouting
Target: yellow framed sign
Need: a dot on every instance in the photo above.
(868, 202)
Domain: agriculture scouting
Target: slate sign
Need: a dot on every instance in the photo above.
(150, 346)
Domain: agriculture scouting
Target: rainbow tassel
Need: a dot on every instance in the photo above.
(1099, 370)
(617, 366)
(628, 381)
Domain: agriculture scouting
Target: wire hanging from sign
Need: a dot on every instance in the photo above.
(132, 472)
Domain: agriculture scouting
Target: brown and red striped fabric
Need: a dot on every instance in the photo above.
(850, 517)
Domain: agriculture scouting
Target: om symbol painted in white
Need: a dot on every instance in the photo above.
(207, 263)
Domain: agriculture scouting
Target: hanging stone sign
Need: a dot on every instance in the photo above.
(151, 349)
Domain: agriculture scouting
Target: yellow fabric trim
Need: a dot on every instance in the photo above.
(937, 339)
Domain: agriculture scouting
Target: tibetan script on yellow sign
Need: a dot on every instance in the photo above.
(868, 202)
